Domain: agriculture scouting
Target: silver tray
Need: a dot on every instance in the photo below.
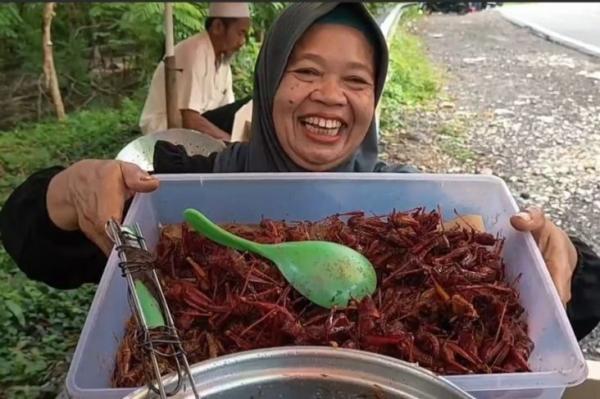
(311, 372)
(141, 150)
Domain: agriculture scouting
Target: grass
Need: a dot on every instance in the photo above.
(453, 141)
(40, 325)
(412, 78)
(413, 83)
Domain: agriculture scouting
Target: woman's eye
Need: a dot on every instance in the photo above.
(357, 81)
(307, 72)
(308, 75)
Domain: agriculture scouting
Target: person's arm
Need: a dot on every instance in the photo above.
(53, 225)
(44, 252)
(171, 158)
(584, 307)
(193, 120)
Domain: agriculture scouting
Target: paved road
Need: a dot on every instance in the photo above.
(573, 24)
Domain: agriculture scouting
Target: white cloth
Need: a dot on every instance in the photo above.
(201, 86)
(229, 10)
(241, 121)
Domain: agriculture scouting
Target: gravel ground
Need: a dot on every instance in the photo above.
(517, 106)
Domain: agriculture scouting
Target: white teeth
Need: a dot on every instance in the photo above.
(318, 130)
(323, 123)
(326, 127)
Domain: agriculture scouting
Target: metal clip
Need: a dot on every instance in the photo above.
(129, 243)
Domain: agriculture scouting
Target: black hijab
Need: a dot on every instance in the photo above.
(263, 153)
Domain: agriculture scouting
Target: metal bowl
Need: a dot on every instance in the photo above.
(141, 150)
(307, 372)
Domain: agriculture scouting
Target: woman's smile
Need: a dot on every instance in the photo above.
(321, 129)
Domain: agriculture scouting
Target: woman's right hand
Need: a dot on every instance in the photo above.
(90, 192)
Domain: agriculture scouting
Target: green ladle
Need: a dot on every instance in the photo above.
(326, 273)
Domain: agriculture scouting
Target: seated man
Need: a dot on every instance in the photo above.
(204, 82)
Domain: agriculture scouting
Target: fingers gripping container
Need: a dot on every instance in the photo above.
(556, 362)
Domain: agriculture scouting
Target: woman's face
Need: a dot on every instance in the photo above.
(326, 99)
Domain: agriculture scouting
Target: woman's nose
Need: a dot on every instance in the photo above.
(329, 92)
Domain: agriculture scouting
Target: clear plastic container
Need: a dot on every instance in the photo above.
(557, 361)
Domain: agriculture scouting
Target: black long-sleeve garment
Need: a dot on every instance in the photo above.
(68, 259)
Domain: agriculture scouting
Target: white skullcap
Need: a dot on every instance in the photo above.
(229, 10)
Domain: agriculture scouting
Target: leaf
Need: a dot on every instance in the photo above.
(16, 310)
(34, 367)
(10, 21)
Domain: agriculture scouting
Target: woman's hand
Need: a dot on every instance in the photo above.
(90, 192)
(557, 249)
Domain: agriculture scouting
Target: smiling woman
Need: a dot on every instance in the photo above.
(325, 101)
(320, 60)
(318, 78)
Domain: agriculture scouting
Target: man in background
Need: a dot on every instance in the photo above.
(204, 82)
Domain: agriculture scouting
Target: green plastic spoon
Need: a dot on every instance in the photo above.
(326, 273)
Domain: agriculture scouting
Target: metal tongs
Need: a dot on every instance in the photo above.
(149, 307)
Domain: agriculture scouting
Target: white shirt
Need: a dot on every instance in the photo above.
(201, 86)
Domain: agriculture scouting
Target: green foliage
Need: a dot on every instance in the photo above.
(263, 14)
(412, 79)
(453, 141)
(40, 325)
(9, 21)
(91, 38)
(18, 49)
(85, 134)
(189, 18)
(125, 29)
(242, 68)
(377, 8)
(410, 15)
(120, 28)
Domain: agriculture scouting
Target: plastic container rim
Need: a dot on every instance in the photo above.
(518, 381)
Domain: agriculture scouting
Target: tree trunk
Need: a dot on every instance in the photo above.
(173, 112)
(51, 81)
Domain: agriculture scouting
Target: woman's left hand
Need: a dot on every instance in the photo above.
(555, 245)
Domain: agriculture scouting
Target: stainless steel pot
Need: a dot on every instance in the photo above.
(307, 372)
